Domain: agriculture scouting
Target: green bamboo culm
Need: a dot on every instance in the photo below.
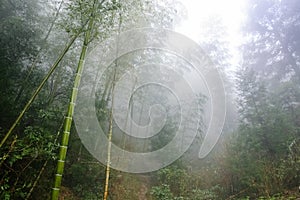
(36, 92)
(68, 119)
(110, 131)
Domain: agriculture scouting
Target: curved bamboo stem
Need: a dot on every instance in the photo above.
(36, 92)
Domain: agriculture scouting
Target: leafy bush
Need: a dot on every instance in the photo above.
(162, 192)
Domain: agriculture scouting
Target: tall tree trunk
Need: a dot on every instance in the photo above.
(110, 131)
(108, 152)
(68, 119)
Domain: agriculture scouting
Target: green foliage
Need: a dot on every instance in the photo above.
(176, 178)
(265, 28)
(261, 148)
(261, 162)
(79, 12)
(19, 40)
(86, 180)
(22, 156)
(274, 197)
(260, 157)
(162, 192)
(198, 194)
(174, 182)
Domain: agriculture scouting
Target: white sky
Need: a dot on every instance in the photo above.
(231, 12)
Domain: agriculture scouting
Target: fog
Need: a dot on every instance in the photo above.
(158, 100)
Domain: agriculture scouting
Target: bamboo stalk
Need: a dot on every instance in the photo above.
(36, 92)
(108, 156)
(9, 151)
(110, 131)
(68, 120)
(36, 180)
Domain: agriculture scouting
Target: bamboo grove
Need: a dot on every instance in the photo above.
(44, 46)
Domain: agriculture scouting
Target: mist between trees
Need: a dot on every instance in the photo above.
(44, 48)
